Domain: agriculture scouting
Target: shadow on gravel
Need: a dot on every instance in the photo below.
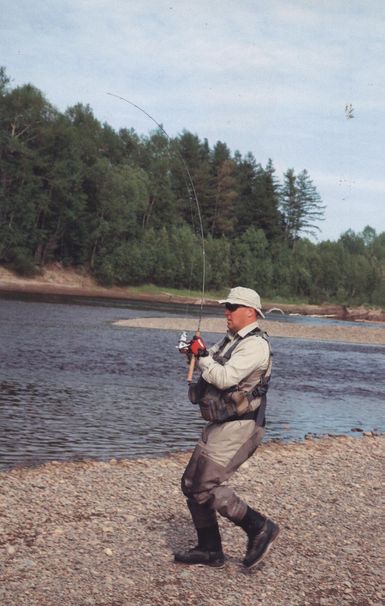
(180, 535)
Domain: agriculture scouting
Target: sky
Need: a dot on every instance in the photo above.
(297, 81)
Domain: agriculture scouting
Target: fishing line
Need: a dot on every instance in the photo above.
(192, 189)
(192, 256)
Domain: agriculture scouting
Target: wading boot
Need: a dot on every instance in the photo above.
(261, 533)
(208, 551)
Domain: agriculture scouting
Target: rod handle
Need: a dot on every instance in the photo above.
(191, 369)
(191, 366)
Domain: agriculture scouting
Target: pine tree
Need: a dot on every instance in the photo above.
(226, 195)
(301, 205)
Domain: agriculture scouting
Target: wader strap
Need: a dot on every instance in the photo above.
(267, 375)
(225, 340)
(260, 413)
(222, 359)
(260, 390)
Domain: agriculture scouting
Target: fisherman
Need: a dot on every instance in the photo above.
(231, 394)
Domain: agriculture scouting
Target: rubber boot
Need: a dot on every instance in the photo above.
(261, 533)
(208, 551)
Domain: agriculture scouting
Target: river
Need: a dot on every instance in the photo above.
(74, 386)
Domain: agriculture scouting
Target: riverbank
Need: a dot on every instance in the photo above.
(103, 534)
(63, 281)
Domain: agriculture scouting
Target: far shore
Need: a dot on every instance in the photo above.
(56, 280)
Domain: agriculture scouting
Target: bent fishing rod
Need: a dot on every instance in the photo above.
(194, 194)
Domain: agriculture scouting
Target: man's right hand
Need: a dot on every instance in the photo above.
(198, 347)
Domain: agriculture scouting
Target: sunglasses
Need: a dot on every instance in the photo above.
(233, 306)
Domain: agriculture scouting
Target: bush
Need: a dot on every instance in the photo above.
(23, 264)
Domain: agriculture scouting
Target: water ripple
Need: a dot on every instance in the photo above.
(74, 386)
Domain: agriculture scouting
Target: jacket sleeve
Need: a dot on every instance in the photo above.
(251, 354)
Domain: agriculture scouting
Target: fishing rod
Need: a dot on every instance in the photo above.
(183, 338)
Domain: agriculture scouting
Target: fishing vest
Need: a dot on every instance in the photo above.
(246, 400)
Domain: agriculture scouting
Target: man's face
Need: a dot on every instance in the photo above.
(239, 316)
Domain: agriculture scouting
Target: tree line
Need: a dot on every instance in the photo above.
(121, 204)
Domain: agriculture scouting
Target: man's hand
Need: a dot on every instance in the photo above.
(197, 347)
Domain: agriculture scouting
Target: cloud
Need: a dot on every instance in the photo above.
(272, 78)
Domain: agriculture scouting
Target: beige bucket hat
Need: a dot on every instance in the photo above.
(246, 297)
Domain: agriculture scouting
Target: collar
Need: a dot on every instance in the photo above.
(244, 331)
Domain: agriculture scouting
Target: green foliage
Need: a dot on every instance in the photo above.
(251, 263)
(74, 190)
(218, 256)
(21, 263)
(301, 206)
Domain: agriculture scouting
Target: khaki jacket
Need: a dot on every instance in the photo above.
(249, 355)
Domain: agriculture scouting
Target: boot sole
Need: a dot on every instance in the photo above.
(220, 565)
(210, 564)
(264, 554)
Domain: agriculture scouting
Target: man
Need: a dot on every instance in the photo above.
(231, 393)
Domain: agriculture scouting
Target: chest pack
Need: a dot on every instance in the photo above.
(246, 400)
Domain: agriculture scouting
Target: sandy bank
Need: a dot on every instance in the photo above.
(102, 534)
(348, 334)
(65, 281)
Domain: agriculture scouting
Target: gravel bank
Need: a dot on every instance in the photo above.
(347, 334)
(102, 534)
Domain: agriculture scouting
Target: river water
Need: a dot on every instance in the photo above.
(74, 386)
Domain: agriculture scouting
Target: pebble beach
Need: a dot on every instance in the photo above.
(103, 533)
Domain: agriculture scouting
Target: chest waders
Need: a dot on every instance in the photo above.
(246, 400)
